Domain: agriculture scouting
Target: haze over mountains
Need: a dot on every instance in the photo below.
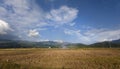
(55, 44)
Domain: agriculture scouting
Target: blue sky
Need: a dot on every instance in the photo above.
(77, 21)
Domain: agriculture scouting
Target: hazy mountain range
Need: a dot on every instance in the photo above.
(54, 44)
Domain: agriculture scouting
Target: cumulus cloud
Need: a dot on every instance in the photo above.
(4, 27)
(33, 33)
(63, 15)
(24, 15)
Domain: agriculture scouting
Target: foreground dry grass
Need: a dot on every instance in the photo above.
(98, 58)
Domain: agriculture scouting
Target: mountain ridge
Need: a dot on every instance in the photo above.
(4, 43)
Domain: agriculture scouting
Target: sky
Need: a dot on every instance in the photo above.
(76, 21)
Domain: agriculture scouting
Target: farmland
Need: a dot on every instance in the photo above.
(54, 58)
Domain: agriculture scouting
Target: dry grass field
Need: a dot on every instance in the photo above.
(37, 58)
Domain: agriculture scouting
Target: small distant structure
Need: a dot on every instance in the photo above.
(110, 40)
(49, 47)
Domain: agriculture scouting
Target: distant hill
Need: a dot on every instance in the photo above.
(4, 43)
(28, 44)
(107, 44)
(76, 45)
(116, 41)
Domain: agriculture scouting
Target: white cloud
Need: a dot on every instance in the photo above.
(94, 35)
(59, 41)
(63, 15)
(71, 32)
(23, 15)
(4, 27)
(33, 33)
(45, 40)
(76, 33)
(101, 34)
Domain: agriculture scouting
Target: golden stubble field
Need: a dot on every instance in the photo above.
(85, 58)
